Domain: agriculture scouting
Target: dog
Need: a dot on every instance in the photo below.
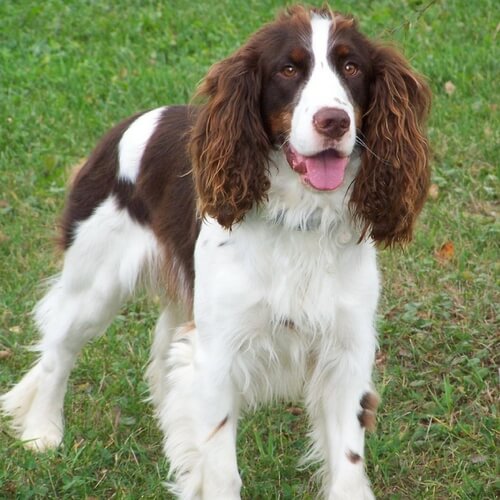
(256, 212)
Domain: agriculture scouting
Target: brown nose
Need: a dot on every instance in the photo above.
(332, 122)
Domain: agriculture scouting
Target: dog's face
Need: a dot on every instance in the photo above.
(315, 93)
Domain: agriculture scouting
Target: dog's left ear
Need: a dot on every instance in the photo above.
(229, 146)
(391, 186)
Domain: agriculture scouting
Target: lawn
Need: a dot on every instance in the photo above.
(70, 69)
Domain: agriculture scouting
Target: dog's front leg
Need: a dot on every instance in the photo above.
(199, 417)
(216, 406)
(202, 404)
(342, 405)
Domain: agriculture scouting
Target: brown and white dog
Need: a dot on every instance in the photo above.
(257, 214)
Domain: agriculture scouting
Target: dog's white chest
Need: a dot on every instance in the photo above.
(271, 275)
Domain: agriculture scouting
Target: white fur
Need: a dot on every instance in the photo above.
(110, 255)
(281, 314)
(304, 330)
(134, 141)
(323, 89)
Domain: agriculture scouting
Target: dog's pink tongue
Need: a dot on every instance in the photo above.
(325, 171)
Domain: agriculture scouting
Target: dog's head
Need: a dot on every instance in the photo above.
(311, 85)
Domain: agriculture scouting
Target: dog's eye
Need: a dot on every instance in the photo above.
(351, 69)
(288, 71)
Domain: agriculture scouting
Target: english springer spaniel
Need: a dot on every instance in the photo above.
(256, 213)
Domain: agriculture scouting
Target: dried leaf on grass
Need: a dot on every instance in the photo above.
(446, 252)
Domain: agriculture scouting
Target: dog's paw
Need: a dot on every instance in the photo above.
(32, 418)
(42, 438)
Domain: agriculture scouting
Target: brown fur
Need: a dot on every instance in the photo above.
(391, 187)
(367, 416)
(353, 457)
(229, 146)
(297, 16)
(163, 196)
(166, 186)
(93, 182)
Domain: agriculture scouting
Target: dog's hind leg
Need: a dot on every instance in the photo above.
(109, 256)
(172, 316)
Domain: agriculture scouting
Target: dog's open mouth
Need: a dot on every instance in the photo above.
(323, 171)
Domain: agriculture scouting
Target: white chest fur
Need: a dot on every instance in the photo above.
(299, 276)
(278, 295)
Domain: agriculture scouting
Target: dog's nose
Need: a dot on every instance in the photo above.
(332, 122)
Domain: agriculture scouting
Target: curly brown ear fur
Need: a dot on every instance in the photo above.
(392, 184)
(228, 143)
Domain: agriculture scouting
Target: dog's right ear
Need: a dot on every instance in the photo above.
(229, 146)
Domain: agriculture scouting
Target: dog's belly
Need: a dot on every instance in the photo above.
(273, 364)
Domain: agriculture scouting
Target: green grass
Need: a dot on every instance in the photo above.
(70, 69)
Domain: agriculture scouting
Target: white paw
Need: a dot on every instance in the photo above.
(33, 418)
(360, 491)
(353, 495)
(42, 439)
(222, 488)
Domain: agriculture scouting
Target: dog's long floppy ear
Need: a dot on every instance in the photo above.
(229, 146)
(391, 186)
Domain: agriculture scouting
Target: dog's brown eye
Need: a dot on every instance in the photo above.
(289, 71)
(351, 69)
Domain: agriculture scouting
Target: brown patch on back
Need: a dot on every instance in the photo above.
(127, 197)
(165, 183)
(93, 182)
(369, 403)
(163, 196)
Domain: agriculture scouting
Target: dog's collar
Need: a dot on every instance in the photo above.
(311, 223)
(339, 231)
